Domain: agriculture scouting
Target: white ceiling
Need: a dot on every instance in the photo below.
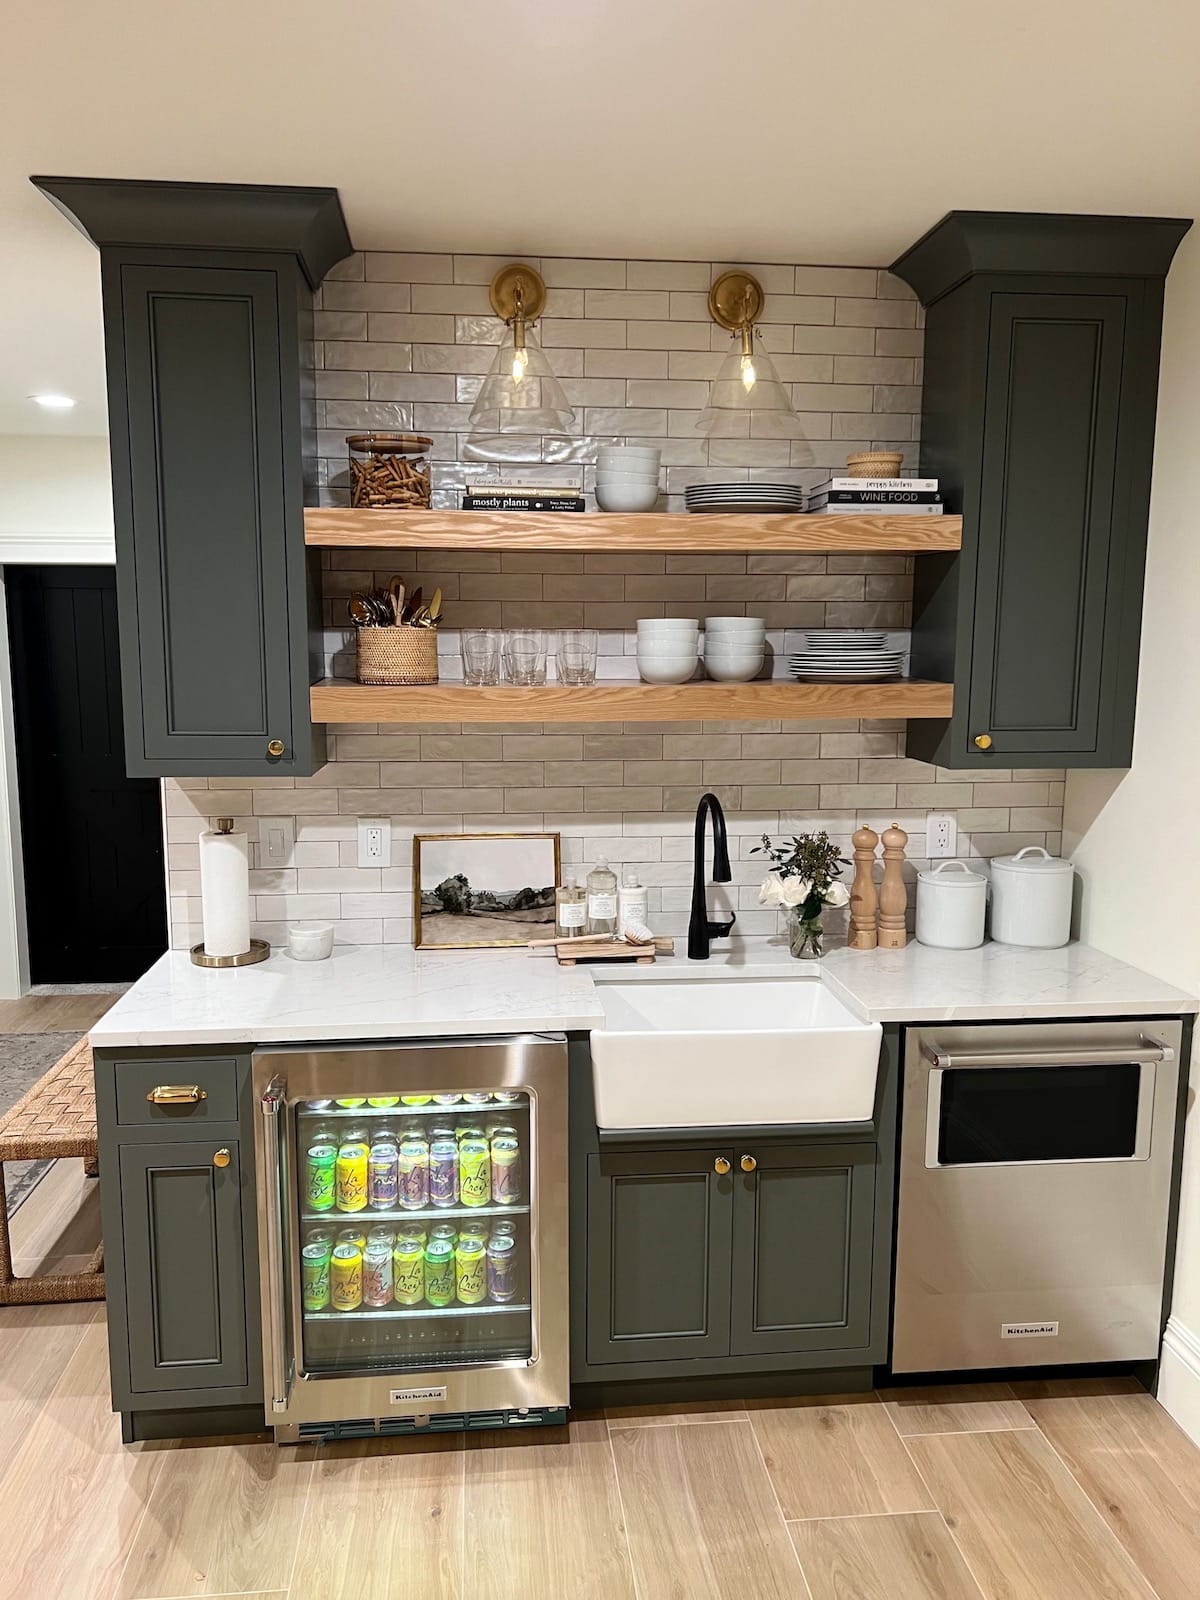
(800, 130)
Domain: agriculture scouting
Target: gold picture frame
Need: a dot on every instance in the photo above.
(439, 859)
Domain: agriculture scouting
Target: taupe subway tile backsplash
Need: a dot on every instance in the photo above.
(403, 342)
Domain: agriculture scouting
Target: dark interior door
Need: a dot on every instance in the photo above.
(91, 836)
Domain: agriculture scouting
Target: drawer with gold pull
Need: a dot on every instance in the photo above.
(183, 1092)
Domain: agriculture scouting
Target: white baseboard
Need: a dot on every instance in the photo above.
(1179, 1377)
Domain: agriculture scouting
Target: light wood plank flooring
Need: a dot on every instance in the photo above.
(55, 1013)
(1052, 1491)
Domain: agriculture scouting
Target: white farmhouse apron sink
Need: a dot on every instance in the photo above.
(734, 1052)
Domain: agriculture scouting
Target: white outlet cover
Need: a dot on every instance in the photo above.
(941, 835)
(374, 842)
(276, 841)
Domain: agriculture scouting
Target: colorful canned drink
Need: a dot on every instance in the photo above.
(507, 1096)
(319, 1236)
(474, 1172)
(502, 1268)
(352, 1162)
(468, 1130)
(470, 1271)
(320, 1181)
(354, 1236)
(381, 1234)
(345, 1277)
(377, 1275)
(506, 1169)
(413, 1171)
(504, 1225)
(447, 1099)
(443, 1171)
(478, 1099)
(408, 1270)
(384, 1176)
(444, 1230)
(439, 1272)
(351, 1102)
(474, 1228)
(382, 1102)
(415, 1099)
(314, 1276)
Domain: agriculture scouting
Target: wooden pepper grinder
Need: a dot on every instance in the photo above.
(893, 892)
(864, 897)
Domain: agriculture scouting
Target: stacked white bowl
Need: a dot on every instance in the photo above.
(626, 477)
(734, 648)
(668, 649)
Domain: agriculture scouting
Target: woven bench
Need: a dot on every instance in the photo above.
(56, 1118)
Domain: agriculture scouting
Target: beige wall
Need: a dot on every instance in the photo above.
(1123, 829)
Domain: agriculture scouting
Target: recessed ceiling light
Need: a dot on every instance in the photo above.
(53, 402)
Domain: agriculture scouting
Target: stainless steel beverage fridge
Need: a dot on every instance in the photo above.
(413, 1235)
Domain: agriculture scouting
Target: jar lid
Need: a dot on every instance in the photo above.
(956, 874)
(1032, 859)
(390, 444)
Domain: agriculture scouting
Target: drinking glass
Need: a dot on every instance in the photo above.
(481, 655)
(576, 659)
(525, 655)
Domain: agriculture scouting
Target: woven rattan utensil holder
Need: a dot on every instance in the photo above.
(397, 655)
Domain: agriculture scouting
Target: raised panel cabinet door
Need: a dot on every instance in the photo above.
(184, 1281)
(803, 1248)
(204, 575)
(1039, 679)
(658, 1239)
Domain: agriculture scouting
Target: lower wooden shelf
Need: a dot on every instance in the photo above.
(339, 700)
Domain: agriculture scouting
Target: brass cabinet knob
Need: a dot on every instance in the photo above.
(983, 741)
(222, 1158)
(749, 1164)
(275, 748)
(721, 1166)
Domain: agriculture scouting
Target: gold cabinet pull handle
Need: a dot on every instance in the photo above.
(983, 741)
(176, 1094)
(721, 1166)
(275, 748)
(221, 1157)
(748, 1164)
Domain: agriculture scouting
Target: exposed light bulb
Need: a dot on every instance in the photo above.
(749, 376)
(53, 402)
(520, 363)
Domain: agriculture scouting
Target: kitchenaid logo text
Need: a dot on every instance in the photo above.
(399, 1396)
(1029, 1330)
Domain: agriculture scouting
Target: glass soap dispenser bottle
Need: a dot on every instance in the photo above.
(570, 909)
(602, 899)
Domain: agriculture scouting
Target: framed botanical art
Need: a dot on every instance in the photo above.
(472, 890)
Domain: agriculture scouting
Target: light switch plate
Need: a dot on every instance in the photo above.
(374, 842)
(941, 834)
(276, 841)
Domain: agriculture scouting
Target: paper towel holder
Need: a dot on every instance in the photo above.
(259, 948)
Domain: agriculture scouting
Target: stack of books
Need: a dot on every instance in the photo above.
(886, 496)
(501, 496)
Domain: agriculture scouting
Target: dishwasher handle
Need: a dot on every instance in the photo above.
(274, 1098)
(1146, 1053)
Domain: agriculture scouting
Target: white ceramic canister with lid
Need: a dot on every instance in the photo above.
(1031, 898)
(951, 906)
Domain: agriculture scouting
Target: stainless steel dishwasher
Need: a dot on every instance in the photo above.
(1035, 1179)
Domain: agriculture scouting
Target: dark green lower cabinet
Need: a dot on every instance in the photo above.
(184, 1278)
(659, 1229)
(803, 1225)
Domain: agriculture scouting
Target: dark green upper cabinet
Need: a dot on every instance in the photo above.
(1041, 376)
(208, 345)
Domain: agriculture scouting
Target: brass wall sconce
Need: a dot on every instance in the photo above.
(520, 402)
(747, 394)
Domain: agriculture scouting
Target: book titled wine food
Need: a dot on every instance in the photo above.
(896, 496)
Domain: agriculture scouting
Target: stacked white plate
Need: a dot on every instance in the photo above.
(844, 655)
(744, 497)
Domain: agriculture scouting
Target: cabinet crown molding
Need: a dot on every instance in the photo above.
(134, 213)
(965, 243)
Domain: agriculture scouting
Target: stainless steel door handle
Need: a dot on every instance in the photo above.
(271, 1105)
(1148, 1052)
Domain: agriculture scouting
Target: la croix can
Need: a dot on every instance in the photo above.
(352, 1160)
(346, 1277)
(384, 1176)
(320, 1165)
(377, 1275)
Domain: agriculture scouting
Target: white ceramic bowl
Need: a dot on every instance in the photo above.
(640, 497)
(735, 625)
(645, 455)
(669, 647)
(668, 629)
(625, 480)
(666, 670)
(733, 670)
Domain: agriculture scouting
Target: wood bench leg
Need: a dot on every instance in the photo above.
(91, 1166)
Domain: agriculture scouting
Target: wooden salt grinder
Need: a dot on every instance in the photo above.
(893, 892)
(864, 898)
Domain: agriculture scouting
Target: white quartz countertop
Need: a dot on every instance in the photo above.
(391, 992)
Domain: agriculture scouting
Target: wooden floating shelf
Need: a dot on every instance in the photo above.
(586, 531)
(339, 700)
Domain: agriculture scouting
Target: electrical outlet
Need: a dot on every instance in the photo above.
(276, 840)
(941, 834)
(374, 842)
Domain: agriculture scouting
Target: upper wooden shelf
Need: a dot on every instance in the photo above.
(586, 531)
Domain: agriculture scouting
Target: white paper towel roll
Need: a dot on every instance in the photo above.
(225, 891)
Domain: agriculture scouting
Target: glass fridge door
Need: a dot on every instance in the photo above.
(413, 1230)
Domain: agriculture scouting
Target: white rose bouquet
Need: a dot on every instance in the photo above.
(803, 881)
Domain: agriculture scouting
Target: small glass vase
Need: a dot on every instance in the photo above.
(804, 936)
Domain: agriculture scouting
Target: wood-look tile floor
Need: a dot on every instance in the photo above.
(1037, 1491)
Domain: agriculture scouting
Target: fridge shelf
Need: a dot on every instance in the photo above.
(409, 1313)
(365, 1113)
(347, 1219)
